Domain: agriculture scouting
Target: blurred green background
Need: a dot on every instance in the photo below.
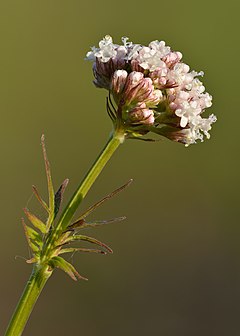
(175, 267)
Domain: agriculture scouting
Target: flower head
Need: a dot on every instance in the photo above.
(153, 90)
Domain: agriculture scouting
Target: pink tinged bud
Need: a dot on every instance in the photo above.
(171, 97)
(135, 66)
(139, 90)
(135, 77)
(100, 71)
(162, 69)
(136, 89)
(159, 75)
(172, 58)
(143, 116)
(179, 55)
(150, 120)
(183, 136)
(121, 52)
(173, 106)
(163, 81)
(103, 71)
(154, 99)
(118, 81)
(156, 78)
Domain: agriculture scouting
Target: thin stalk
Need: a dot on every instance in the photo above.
(114, 141)
(27, 301)
(40, 273)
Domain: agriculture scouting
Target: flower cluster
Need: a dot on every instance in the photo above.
(152, 89)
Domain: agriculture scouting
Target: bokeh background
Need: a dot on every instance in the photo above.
(175, 267)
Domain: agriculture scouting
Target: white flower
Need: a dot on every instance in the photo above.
(196, 87)
(188, 111)
(105, 52)
(198, 126)
(151, 57)
(205, 100)
(160, 47)
(152, 86)
(179, 74)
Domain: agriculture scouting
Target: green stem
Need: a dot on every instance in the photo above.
(27, 301)
(115, 140)
(41, 274)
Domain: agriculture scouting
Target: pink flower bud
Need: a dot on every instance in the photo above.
(151, 86)
(172, 58)
(141, 115)
(118, 81)
(103, 71)
(135, 66)
(139, 89)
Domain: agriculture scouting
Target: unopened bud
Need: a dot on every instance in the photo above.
(141, 115)
(139, 89)
(118, 81)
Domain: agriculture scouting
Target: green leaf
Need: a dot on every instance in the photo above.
(61, 263)
(96, 205)
(76, 249)
(51, 195)
(59, 197)
(33, 247)
(81, 224)
(88, 239)
(102, 222)
(34, 235)
(41, 201)
(32, 260)
(35, 221)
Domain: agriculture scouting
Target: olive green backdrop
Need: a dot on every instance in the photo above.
(175, 267)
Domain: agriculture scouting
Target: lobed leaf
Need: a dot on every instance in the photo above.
(102, 222)
(32, 260)
(59, 197)
(61, 263)
(88, 239)
(81, 224)
(76, 249)
(35, 221)
(96, 205)
(41, 201)
(34, 235)
(33, 247)
(51, 195)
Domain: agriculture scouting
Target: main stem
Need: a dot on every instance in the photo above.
(27, 301)
(40, 273)
(114, 141)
